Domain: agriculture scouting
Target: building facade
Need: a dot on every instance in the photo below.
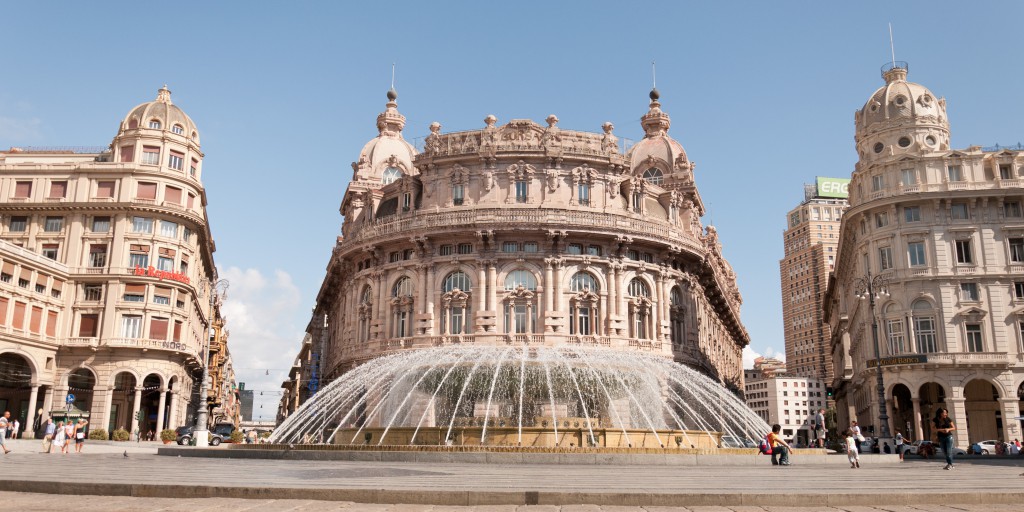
(787, 400)
(811, 240)
(529, 235)
(943, 229)
(106, 257)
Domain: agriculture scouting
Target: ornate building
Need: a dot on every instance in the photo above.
(106, 257)
(529, 235)
(943, 230)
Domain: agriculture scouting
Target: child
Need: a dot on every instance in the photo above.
(851, 449)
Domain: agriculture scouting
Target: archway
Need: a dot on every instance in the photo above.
(121, 403)
(150, 405)
(933, 396)
(903, 411)
(984, 419)
(81, 384)
(16, 388)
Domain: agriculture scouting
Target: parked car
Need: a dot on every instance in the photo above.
(916, 446)
(220, 433)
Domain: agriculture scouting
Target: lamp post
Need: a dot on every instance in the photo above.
(201, 434)
(872, 287)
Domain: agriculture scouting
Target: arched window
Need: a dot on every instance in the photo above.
(455, 316)
(391, 174)
(639, 309)
(178, 129)
(677, 317)
(894, 330)
(401, 308)
(925, 337)
(583, 281)
(654, 176)
(520, 303)
(154, 124)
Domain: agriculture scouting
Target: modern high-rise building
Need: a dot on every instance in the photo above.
(106, 261)
(934, 240)
(811, 239)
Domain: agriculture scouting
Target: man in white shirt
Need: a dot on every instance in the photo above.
(5, 422)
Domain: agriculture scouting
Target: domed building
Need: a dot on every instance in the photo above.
(107, 260)
(527, 235)
(938, 233)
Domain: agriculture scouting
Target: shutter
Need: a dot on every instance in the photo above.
(51, 324)
(26, 274)
(172, 195)
(37, 318)
(167, 252)
(135, 289)
(58, 189)
(58, 285)
(19, 315)
(139, 248)
(177, 331)
(127, 153)
(23, 189)
(146, 191)
(163, 292)
(158, 329)
(3, 310)
(8, 268)
(105, 189)
(87, 328)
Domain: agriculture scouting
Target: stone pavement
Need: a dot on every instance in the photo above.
(104, 470)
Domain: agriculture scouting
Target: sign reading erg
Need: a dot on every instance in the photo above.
(833, 187)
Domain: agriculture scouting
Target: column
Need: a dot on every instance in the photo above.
(549, 289)
(613, 296)
(481, 289)
(557, 288)
(431, 292)
(958, 413)
(33, 396)
(383, 312)
(160, 411)
(422, 274)
(492, 286)
(48, 401)
(659, 285)
(108, 400)
(135, 410)
(173, 420)
(1010, 408)
(918, 431)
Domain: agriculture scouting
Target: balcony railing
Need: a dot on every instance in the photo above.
(962, 358)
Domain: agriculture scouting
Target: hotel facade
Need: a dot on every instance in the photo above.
(106, 266)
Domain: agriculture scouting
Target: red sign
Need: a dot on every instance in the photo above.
(161, 274)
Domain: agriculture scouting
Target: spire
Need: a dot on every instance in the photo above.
(655, 122)
(164, 95)
(391, 122)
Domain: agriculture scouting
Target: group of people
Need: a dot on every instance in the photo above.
(62, 435)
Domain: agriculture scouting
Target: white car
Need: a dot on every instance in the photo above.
(988, 447)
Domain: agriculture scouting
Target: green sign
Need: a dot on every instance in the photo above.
(898, 360)
(833, 187)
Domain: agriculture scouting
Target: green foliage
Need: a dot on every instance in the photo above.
(98, 434)
(121, 435)
(237, 436)
(168, 434)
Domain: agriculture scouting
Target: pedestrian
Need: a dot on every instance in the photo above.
(80, 434)
(60, 437)
(780, 448)
(819, 427)
(48, 435)
(852, 453)
(69, 436)
(14, 430)
(944, 427)
(5, 422)
(856, 431)
(899, 445)
(885, 447)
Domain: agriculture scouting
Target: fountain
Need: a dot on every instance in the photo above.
(524, 397)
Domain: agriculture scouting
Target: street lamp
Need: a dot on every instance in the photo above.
(217, 291)
(873, 287)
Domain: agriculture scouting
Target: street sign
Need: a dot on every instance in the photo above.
(71, 398)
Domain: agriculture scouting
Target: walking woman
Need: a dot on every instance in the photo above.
(945, 428)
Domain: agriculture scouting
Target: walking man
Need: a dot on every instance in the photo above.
(48, 437)
(819, 427)
(899, 445)
(5, 422)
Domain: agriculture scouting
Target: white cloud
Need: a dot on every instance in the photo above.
(750, 354)
(266, 326)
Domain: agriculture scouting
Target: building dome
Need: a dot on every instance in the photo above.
(901, 116)
(387, 153)
(656, 146)
(163, 111)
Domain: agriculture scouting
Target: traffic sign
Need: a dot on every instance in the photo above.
(71, 398)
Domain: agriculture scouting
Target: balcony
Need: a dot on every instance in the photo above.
(147, 344)
(969, 359)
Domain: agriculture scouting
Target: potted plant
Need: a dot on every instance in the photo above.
(168, 435)
(121, 435)
(237, 436)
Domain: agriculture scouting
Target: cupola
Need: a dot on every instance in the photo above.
(900, 117)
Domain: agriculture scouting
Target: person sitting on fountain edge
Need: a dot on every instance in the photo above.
(780, 448)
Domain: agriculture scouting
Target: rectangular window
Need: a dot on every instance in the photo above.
(394, 256)
(907, 177)
(40, 288)
(134, 293)
(36, 319)
(583, 191)
(884, 258)
(176, 161)
(465, 249)
(458, 194)
(146, 191)
(50, 251)
(191, 201)
(912, 214)
(100, 224)
(510, 247)
(530, 247)
(165, 263)
(193, 167)
(1012, 209)
(1018, 290)
(894, 328)
(877, 183)
(594, 250)
(964, 255)
(521, 191)
(131, 326)
(127, 154)
(18, 224)
(151, 155)
(142, 225)
(633, 255)
(168, 229)
(58, 190)
(105, 189)
(19, 315)
(23, 189)
(881, 219)
(158, 329)
(53, 224)
(958, 211)
(446, 250)
(1005, 172)
(162, 296)
(1016, 250)
(915, 252)
(176, 335)
(974, 341)
(574, 249)
(89, 326)
(969, 292)
(954, 173)
(136, 259)
(172, 195)
(93, 292)
(186, 234)
(98, 255)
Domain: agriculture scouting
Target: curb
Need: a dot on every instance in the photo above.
(472, 498)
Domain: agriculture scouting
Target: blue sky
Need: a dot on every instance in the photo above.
(761, 94)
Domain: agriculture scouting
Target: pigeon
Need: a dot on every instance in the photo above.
(126, 454)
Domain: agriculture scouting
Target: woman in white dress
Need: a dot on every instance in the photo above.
(60, 438)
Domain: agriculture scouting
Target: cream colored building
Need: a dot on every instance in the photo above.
(524, 234)
(945, 228)
(787, 400)
(106, 256)
(811, 239)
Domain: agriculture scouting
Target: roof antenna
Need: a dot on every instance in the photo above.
(393, 70)
(654, 77)
(892, 48)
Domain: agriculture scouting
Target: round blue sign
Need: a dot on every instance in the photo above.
(71, 398)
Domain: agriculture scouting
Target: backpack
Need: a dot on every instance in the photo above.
(764, 447)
